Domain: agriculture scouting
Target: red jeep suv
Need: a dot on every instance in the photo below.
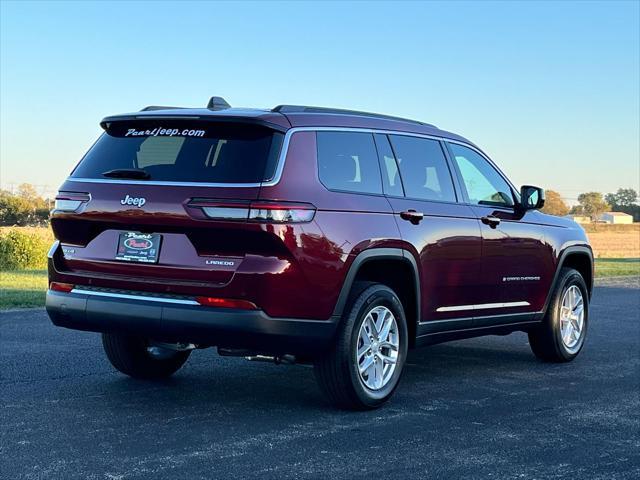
(306, 234)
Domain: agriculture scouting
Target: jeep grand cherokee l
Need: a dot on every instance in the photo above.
(306, 234)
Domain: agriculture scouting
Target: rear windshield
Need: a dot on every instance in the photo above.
(185, 152)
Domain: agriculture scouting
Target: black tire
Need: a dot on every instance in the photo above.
(546, 340)
(129, 355)
(337, 370)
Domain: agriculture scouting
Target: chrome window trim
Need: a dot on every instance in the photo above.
(134, 297)
(482, 306)
(282, 159)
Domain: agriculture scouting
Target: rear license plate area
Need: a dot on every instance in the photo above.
(138, 247)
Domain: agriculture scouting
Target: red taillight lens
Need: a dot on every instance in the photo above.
(61, 287)
(256, 211)
(226, 303)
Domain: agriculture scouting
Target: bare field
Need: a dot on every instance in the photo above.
(606, 227)
(616, 243)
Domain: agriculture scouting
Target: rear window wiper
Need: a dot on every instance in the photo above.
(133, 173)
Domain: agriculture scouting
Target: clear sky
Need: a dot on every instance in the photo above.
(550, 90)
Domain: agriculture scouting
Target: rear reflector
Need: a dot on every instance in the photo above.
(226, 303)
(61, 287)
(256, 211)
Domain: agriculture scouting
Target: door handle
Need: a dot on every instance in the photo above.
(490, 220)
(412, 216)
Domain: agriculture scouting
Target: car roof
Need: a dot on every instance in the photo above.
(284, 117)
(345, 120)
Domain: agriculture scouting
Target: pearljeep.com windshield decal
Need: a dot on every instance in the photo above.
(164, 132)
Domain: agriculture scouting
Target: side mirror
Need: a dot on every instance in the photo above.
(531, 198)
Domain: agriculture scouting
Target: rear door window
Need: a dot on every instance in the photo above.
(348, 161)
(423, 167)
(185, 151)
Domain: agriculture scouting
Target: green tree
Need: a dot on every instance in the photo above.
(576, 210)
(25, 208)
(624, 197)
(28, 192)
(625, 200)
(592, 204)
(553, 204)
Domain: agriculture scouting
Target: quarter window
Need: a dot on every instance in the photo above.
(484, 185)
(348, 161)
(423, 167)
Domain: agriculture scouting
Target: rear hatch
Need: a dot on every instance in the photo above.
(138, 206)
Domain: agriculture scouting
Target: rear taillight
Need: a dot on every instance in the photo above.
(276, 212)
(226, 303)
(256, 211)
(61, 287)
(70, 201)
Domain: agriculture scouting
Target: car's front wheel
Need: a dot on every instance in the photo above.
(363, 368)
(140, 358)
(562, 333)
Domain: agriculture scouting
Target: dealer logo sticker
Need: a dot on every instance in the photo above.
(138, 243)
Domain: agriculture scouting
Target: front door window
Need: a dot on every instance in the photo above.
(484, 185)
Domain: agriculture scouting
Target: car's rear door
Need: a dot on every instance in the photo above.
(443, 233)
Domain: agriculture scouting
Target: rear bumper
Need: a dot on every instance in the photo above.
(251, 329)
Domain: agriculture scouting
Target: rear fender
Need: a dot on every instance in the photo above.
(376, 254)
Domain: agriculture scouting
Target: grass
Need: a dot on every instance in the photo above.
(26, 288)
(614, 267)
(43, 232)
(23, 288)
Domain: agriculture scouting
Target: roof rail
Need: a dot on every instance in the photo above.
(217, 103)
(339, 111)
(158, 107)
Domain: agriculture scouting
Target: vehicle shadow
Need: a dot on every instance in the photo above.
(234, 386)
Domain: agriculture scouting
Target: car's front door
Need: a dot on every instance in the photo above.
(515, 255)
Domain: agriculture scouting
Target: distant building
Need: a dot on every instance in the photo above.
(579, 218)
(616, 217)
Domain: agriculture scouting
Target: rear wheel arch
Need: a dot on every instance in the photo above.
(393, 267)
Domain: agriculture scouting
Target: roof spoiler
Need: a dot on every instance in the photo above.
(158, 107)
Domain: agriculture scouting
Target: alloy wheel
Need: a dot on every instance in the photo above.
(572, 317)
(377, 348)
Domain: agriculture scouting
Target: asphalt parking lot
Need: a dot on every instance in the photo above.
(482, 408)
